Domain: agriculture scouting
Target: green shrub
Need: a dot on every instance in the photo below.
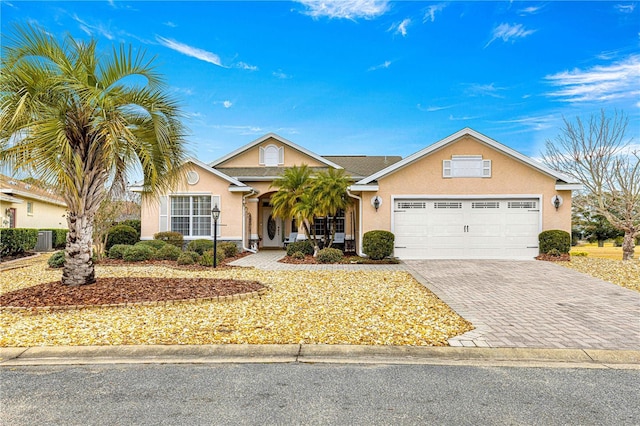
(15, 241)
(377, 244)
(298, 255)
(156, 244)
(554, 239)
(229, 249)
(617, 241)
(330, 255)
(117, 251)
(173, 238)
(134, 223)
(304, 246)
(139, 253)
(207, 258)
(188, 258)
(121, 234)
(58, 237)
(200, 246)
(554, 252)
(579, 253)
(56, 260)
(168, 252)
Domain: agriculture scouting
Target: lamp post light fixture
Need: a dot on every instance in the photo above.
(215, 214)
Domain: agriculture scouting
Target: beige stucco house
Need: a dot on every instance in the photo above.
(465, 196)
(23, 205)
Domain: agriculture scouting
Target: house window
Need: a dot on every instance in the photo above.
(191, 215)
(466, 166)
(271, 156)
(29, 208)
(323, 226)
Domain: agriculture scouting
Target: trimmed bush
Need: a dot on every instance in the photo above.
(139, 253)
(156, 244)
(228, 248)
(378, 244)
(173, 238)
(15, 241)
(298, 255)
(168, 252)
(304, 246)
(579, 253)
(117, 251)
(554, 239)
(186, 258)
(134, 223)
(207, 258)
(330, 255)
(121, 234)
(200, 246)
(618, 241)
(56, 260)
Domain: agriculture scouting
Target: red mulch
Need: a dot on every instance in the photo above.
(550, 258)
(107, 291)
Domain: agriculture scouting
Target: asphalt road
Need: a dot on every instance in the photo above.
(283, 394)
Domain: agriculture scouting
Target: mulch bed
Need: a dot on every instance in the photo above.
(550, 258)
(107, 291)
(171, 263)
(310, 260)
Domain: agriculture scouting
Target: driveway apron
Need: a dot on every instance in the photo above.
(533, 304)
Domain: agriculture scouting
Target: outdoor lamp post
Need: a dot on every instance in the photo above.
(215, 214)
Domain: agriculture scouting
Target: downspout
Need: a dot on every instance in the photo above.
(359, 245)
(244, 220)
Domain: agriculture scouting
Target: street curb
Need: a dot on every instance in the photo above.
(318, 354)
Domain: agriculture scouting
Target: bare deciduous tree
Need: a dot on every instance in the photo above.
(599, 154)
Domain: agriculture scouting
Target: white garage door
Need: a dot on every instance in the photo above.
(466, 229)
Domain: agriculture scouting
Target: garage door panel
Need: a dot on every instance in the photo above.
(471, 229)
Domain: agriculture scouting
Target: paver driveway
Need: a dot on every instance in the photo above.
(533, 304)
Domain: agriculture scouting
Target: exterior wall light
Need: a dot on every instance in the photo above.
(556, 201)
(376, 202)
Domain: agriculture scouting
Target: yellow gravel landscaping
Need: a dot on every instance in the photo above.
(623, 273)
(330, 307)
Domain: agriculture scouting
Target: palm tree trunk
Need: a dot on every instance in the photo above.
(78, 266)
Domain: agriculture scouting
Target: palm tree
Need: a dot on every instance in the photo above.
(83, 121)
(330, 193)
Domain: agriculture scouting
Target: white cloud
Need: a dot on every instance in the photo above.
(401, 27)
(433, 108)
(384, 65)
(227, 104)
(430, 15)
(484, 90)
(531, 10)
(194, 52)
(346, 9)
(90, 29)
(279, 74)
(626, 8)
(170, 24)
(245, 66)
(618, 80)
(509, 32)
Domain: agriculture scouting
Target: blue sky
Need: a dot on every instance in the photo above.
(367, 76)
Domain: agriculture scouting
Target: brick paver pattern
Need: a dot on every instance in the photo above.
(514, 304)
(533, 304)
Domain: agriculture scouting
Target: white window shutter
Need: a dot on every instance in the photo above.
(164, 214)
(281, 155)
(446, 168)
(261, 155)
(215, 201)
(486, 168)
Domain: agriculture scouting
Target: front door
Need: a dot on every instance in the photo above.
(271, 229)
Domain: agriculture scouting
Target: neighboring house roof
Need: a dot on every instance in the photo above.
(360, 166)
(279, 139)
(13, 189)
(481, 138)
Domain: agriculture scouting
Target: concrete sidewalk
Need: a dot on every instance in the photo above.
(332, 354)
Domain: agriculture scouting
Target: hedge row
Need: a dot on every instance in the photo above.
(14, 241)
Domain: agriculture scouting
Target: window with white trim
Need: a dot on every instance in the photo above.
(466, 166)
(271, 155)
(29, 208)
(191, 215)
